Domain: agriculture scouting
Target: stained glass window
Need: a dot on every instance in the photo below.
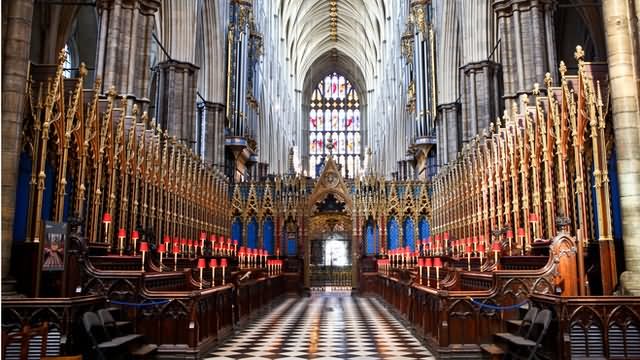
(334, 119)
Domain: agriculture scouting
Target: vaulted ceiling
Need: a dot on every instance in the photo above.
(314, 28)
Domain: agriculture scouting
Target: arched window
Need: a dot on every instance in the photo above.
(68, 66)
(334, 118)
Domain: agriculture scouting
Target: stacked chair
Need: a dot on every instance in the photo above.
(525, 342)
(110, 339)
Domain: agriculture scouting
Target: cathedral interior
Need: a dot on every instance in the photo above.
(320, 179)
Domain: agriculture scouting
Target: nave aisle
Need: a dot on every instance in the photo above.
(324, 326)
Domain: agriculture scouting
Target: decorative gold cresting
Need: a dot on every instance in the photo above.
(333, 20)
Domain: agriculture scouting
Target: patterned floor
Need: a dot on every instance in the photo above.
(325, 326)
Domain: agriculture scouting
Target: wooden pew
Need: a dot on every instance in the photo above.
(594, 327)
(170, 308)
(453, 320)
(61, 315)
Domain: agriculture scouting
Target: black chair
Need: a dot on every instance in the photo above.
(525, 326)
(102, 345)
(114, 328)
(137, 348)
(527, 347)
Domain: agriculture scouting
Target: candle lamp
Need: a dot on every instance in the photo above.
(183, 247)
(533, 219)
(255, 257)
(495, 247)
(221, 247)
(420, 265)
(428, 264)
(522, 236)
(213, 240)
(223, 265)
(190, 247)
(144, 247)
(176, 241)
(203, 238)
(510, 240)
(201, 266)
(134, 239)
(176, 251)
(446, 242)
(213, 263)
(165, 240)
(437, 263)
(106, 220)
(469, 251)
(122, 234)
(235, 247)
(407, 252)
(475, 243)
(162, 248)
(481, 251)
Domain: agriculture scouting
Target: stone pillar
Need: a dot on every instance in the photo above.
(481, 97)
(448, 139)
(214, 137)
(177, 100)
(124, 43)
(623, 41)
(16, 19)
(527, 48)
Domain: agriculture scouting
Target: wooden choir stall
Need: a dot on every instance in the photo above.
(522, 237)
(135, 258)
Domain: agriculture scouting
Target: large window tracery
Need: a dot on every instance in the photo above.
(334, 119)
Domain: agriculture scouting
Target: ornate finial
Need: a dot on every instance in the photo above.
(548, 81)
(145, 118)
(563, 68)
(525, 100)
(62, 56)
(579, 54)
(134, 110)
(112, 91)
(83, 70)
(498, 122)
(536, 89)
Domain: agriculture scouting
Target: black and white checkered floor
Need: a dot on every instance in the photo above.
(324, 326)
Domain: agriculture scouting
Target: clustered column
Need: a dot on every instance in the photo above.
(124, 44)
(527, 48)
(621, 27)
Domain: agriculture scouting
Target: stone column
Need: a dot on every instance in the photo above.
(449, 139)
(124, 43)
(177, 100)
(17, 21)
(214, 137)
(527, 48)
(621, 28)
(480, 96)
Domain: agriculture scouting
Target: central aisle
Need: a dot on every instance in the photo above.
(324, 326)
